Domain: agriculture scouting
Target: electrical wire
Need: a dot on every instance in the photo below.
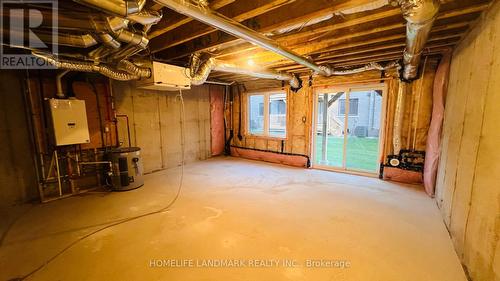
(129, 219)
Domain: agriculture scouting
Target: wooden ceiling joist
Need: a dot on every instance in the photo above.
(239, 12)
(318, 46)
(172, 20)
(331, 26)
(337, 39)
(295, 13)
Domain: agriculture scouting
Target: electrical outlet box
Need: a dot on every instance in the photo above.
(166, 77)
(69, 121)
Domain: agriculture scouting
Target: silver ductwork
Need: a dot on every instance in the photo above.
(121, 8)
(146, 18)
(370, 66)
(84, 29)
(135, 39)
(131, 68)
(199, 72)
(60, 93)
(130, 9)
(83, 66)
(72, 40)
(108, 40)
(212, 18)
(420, 16)
(64, 39)
(219, 21)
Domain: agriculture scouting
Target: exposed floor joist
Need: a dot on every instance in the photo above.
(339, 40)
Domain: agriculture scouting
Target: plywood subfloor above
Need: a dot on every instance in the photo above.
(322, 30)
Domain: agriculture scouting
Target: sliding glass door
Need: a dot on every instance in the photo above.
(347, 128)
(329, 130)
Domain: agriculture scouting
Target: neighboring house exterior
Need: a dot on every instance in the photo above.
(277, 107)
(363, 118)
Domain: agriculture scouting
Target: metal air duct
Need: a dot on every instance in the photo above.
(146, 17)
(109, 41)
(212, 18)
(420, 16)
(117, 7)
(84, 66)
(60, 93)
(63, 39)
(219, 21)
(135, 39)
(130, 9)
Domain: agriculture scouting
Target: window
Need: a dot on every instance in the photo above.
(256, 111)
(267, 114)
(353, 106)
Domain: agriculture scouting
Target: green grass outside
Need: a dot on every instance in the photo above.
(362, 153)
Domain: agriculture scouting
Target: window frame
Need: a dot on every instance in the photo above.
(350, 104)
(266, 95)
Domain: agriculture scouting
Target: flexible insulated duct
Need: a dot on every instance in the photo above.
(370, 66)
(420, 16)
(200, 72)
(143, 72)
(83, 66)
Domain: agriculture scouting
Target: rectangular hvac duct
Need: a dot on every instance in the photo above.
(166, 77)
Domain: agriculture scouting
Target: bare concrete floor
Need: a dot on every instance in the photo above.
(236, 209)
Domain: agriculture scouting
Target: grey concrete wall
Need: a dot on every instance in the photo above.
(468, 183)
(17, 170)
(155, 124)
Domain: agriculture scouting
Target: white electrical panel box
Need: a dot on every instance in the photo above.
(69, 121)
(166, 77)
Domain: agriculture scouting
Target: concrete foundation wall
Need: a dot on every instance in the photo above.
(155, 124)
(468, 183)
(17, 170)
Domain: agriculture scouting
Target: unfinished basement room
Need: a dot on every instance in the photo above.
(250, 140)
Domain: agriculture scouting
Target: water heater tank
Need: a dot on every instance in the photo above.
(127, 171)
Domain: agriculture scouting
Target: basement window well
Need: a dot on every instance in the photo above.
(267, 114)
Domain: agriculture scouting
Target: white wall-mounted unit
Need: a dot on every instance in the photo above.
(69, 121)
(166, 77)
